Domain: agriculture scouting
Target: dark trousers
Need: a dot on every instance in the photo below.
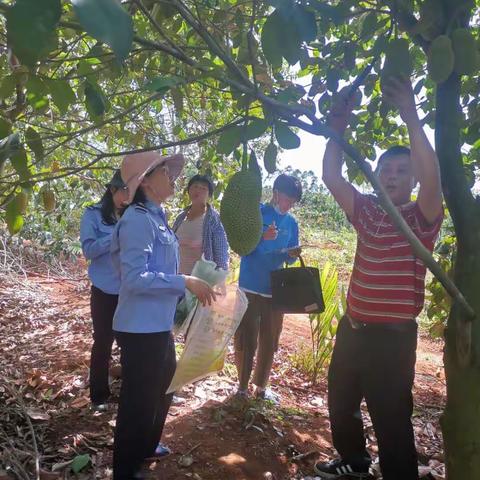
(148, 364)
(259, 331)
(376, 363)
(102, 307)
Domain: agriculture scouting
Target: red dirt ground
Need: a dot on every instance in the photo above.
(45, 352)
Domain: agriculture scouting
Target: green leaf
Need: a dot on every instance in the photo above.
(13, 218)
(285, 137)
(305, 23)
(7, 87)
(62, 95)
(271, 38)
(253, 164)
(229, 140)
(369, 25)
(333, 77)
(106, 20)
(36, 92)
(80, 462)
(256, 128)
(95, 101)
(163, 84)
(31, 28)
(5, 127)
(35, 144)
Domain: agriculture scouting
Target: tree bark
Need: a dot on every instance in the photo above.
(461, 418)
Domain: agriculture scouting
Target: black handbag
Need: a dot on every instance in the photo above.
(297, 289)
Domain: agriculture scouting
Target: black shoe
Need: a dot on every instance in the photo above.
(340, 469)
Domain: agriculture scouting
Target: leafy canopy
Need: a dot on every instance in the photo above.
(85, 81)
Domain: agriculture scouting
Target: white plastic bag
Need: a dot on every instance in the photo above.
(205, 270)
(211, 328)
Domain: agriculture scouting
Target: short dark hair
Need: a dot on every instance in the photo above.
(391, 152)
(289, 185)
(201, 179)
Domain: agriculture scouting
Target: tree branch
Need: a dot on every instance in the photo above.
(417, 246)
(44, 176)
(210, 41)
(118, 116)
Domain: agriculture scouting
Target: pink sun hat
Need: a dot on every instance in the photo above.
(136, 165)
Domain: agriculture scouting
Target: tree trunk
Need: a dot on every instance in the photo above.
(461, 418)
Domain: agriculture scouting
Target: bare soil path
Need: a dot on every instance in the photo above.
(44, 355)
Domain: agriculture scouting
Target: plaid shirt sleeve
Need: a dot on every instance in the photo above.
(215, 240)
(220, 246)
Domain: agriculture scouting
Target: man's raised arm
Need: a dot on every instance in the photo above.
(343, 191)
(423, 157)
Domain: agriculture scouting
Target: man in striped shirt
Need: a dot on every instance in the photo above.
(374, 354)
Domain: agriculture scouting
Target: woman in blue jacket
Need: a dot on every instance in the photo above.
(145, 252)
(199, 228)
(96, 229)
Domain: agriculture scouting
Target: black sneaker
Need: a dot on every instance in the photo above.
(340, 469)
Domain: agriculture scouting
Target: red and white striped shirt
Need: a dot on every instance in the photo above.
(388, 281)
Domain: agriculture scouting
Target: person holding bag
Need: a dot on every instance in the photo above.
(145, 252)
(262, 323)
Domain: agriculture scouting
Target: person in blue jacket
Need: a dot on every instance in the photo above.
(145, 253)
(96, 229)
(261, 325)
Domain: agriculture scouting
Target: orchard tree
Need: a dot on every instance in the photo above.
(85, 81)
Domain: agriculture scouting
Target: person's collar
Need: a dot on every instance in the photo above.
(153, 207)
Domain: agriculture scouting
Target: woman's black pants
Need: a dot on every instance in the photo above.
(102, 307)
(148, 365)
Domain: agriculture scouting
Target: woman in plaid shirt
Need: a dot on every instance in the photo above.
(199, 229)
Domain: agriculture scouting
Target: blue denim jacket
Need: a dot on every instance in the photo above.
(145, 252)
(214, 242)
(95, 237)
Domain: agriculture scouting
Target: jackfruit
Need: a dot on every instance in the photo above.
(270, 158)
(240, 211)
(398, 62)
(467, 57)
(441, 59)
(21, 202)
(48, 199)
(432, 19)
(13, 218)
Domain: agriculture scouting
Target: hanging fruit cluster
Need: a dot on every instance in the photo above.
(453, 49)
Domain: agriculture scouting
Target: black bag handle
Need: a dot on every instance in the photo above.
(302, 263)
